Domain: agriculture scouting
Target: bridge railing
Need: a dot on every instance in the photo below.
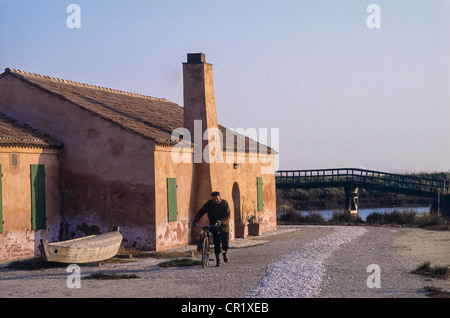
(375, 179)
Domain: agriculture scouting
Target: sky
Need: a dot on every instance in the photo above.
(339, 91)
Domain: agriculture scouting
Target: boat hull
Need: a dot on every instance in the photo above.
(87, 249)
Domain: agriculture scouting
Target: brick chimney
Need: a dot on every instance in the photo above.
(199, 103)
(200, 117)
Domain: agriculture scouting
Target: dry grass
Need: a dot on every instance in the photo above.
(291, 217)
(135, 253)
(435, 292)
(438, 271)
(103, 276)
(181, 262)
(406, 218)
(174, 258)
(35, 263)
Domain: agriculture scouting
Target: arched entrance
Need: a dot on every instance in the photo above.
(240, 228)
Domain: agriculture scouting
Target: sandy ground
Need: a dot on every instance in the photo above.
(397, 250)
(417, 246)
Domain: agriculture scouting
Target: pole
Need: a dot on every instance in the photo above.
(439, 202)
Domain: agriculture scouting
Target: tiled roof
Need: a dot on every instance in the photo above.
(150, 117)
(16, 134)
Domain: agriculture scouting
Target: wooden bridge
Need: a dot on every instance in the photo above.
(352, 179)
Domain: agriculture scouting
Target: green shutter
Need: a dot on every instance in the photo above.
(1, 201)
(38, 215)
(259, 187)
(172, 199)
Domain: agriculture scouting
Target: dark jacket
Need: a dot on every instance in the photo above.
(216, 212)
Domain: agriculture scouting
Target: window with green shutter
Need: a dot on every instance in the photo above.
(38, 213)
(172, 199)
(259, 189)
(1, 201)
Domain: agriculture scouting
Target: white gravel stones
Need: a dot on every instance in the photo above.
(300, 273)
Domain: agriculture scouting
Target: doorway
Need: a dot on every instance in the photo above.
(236, 196)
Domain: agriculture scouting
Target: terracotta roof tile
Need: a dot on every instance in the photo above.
(16, 134)
(150, 117)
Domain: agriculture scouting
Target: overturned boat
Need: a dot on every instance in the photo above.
(93, 248)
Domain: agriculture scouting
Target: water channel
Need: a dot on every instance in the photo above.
(363, 213)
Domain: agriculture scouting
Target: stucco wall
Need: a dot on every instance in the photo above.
(107, 175)
(250, 166)
(175, 233)
(222, 177)
(18, 240)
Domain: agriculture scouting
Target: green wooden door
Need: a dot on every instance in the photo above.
(38, 213)
(172, 199)
(259, 189)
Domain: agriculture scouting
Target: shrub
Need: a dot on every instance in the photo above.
(292, 217)
(344, 217)
(394, 217)
(375, 218)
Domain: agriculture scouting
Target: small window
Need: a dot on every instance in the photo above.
(14, 160)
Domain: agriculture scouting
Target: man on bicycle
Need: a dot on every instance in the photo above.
(218, 212)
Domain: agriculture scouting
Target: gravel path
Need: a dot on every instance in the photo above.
(294, 261)
(300, 272)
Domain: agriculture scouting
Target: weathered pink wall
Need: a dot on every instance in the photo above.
(107, 175)
(18, 240)
(251, 166)
(223, 177)
(176, 233)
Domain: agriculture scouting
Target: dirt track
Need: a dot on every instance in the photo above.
(396, 250)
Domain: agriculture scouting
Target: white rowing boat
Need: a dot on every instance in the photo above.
(93, 248)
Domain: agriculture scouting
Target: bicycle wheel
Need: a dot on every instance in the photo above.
(205, 252)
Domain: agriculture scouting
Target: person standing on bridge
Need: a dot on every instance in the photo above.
(218, 212)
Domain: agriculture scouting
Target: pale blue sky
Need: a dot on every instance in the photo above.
(342, 95)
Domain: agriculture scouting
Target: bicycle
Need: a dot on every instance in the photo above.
(205, 239)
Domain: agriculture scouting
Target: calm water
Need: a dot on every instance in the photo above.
(363, 213)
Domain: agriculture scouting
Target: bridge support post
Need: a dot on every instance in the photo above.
(351, 199)
(441, 205)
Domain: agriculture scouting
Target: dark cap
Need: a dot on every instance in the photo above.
(215, 193)
(195, 58)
